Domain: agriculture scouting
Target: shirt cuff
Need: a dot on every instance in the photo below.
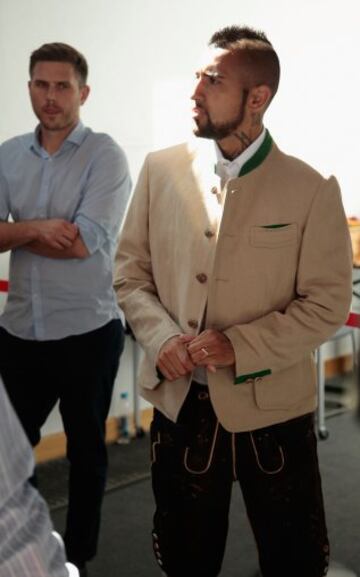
(92, 234)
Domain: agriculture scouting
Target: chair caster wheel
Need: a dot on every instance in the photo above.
(323, 435)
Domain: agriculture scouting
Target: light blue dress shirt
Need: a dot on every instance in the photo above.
(28, 546)
(85, 182)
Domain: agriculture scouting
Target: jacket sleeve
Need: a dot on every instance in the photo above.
(134, 283)
(323, 295)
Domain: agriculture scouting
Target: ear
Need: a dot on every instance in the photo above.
(84, 93)
(259, 98)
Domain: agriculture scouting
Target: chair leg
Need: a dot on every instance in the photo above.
(322, 430)
(354, 351)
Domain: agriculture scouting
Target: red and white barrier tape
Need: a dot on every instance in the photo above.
(353, 320)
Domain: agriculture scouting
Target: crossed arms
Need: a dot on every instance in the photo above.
(53, 238)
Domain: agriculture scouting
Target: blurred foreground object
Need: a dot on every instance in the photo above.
(354, 228)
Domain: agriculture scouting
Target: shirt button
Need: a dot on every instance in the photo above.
(209, 233)
(201, 277)
(214, 190)
(193, 324)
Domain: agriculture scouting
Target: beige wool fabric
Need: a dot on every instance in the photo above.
(275, 276)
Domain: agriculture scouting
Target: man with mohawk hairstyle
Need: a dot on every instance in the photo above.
(230, 278)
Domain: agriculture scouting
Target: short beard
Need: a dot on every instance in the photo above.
(225, 129)
(217, 131)
(63, 124)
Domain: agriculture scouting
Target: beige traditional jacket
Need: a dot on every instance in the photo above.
(275, 276)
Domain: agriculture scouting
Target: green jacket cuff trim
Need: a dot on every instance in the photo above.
(244, 378)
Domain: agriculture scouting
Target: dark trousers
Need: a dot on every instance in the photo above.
(194, 465)
(79, 371)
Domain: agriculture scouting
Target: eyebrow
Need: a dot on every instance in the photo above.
(210, 73)
(213, 73)
(49, 81)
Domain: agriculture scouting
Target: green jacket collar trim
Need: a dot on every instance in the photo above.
(259, 155)
(251, 376)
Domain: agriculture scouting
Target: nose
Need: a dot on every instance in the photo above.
(51, 92)
(198, 92)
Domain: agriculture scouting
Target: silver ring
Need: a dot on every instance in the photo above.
(205, 351)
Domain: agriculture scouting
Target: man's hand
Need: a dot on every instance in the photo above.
(55, 232)
(174, 360)
(211, 349)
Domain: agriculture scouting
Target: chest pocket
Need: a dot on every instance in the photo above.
(273, 236)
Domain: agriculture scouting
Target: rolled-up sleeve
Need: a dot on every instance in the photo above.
(105, 198)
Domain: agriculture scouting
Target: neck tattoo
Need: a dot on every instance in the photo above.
(255, 119)
(244, 139)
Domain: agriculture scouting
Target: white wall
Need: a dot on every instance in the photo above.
(142, 56)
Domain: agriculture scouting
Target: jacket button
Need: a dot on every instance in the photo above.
(209, 233)
(214, 190)
(201, 277)
(193, 324)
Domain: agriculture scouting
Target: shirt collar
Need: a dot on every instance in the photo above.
(76, 137)
(231, 168)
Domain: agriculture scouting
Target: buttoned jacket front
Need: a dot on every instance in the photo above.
(275, 277)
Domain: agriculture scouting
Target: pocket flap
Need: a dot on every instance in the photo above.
(273, 236)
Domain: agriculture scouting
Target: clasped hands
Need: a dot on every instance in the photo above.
(181, 354)
(55, 233)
